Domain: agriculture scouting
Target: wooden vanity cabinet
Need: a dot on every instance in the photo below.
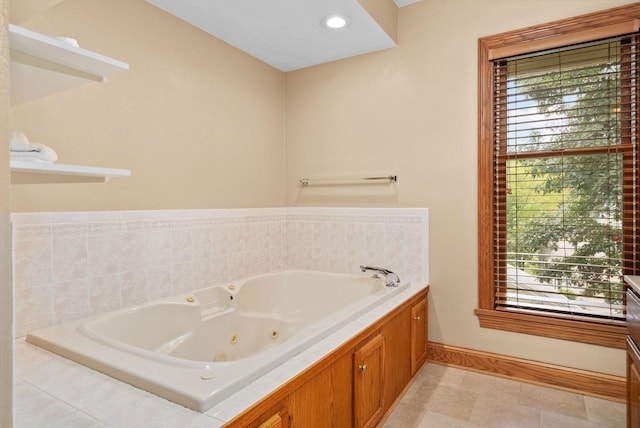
(357, 384)
(633, 385)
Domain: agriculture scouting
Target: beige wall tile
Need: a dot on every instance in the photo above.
(136, 257)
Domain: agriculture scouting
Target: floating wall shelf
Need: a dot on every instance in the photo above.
(26, 172)
(43, 65)
(40, 66)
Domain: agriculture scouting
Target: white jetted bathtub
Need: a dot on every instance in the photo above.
(196, 349)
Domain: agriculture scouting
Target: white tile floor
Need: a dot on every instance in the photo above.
(51, 391)
(443, 397)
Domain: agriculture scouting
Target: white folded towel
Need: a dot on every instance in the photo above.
(22, 149)
(18, 142)
(46, 154)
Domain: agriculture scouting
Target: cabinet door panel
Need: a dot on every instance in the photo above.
(368, 382)
(633, 385)
(397, 356)
(275, 417)
(419, 329)
(325, 400)
(279, 420)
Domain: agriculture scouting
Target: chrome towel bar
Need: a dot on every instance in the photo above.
(343, 181)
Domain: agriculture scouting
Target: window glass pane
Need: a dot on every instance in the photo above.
(564, 234)
(565, 99)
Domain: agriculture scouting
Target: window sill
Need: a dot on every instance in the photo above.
(609, 335)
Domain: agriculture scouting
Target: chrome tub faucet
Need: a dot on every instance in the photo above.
(392, 279)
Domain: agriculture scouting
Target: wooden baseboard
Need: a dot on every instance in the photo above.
(580, 381)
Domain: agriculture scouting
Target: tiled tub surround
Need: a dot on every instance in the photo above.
(71, 265)
(55, 392)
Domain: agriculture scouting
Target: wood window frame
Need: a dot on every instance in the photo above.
(608, 23)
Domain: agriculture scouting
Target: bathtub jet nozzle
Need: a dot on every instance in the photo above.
(392, 278)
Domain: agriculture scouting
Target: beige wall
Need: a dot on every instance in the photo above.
(411, 111)
(21, 10)
(199, 123)
(6, 291)
(385, 13)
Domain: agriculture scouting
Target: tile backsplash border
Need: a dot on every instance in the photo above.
(72, 265)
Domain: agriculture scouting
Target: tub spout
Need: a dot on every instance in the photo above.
(392, 278)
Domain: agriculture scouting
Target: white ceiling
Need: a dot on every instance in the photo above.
(286, 34)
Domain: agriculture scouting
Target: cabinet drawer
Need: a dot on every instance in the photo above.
(633, 384)
(633, 315)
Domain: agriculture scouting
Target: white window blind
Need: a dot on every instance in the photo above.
(566, 191)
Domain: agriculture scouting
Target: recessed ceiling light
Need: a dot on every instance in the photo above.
(335, 22)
